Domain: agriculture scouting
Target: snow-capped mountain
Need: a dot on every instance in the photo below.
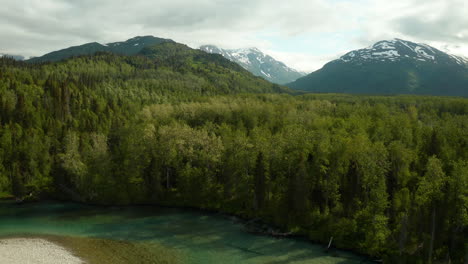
(391, 67)
(397, 50)
(258, 63)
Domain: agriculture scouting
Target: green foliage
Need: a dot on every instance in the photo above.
(386, 176)
(4, 182)
(408, 76)
(430, 186)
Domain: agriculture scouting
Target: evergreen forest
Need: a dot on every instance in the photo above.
(385, 176)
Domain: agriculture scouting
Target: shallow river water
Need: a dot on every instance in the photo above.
(200, 237)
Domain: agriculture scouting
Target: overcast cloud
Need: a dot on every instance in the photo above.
(302, 33)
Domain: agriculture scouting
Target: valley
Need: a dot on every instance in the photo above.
(157, 150)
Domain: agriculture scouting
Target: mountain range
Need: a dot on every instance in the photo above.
(129, 47)
(388, 67)
(391, 67)
(258, 63)
(161, 65)
(250, 59)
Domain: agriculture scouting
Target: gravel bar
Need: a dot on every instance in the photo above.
(34, 251)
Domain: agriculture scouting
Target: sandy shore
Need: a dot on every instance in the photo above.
(52, 249)
(34, 251)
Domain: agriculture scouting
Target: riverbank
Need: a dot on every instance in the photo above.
(256, 227)
(48, 249)
(6, 196)
(35, 250)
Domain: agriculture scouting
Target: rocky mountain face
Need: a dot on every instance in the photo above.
(391, 67)
(258, 63)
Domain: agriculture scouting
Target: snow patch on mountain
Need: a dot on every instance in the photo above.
(460, 60)
(386, 54)
(257, 62)
(397, 49)
(242, 56)
(384, 45)
(266, 74)
(406, 45)
(421, 52)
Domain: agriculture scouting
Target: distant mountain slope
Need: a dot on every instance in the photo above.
(168, 68)
(391, 67)
(15, 57)
(135, 45)
(129, 47)
(217, 71)
(258, 63)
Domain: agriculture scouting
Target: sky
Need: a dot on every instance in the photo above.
(304, 34)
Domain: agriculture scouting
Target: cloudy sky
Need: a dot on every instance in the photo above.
(304, 34)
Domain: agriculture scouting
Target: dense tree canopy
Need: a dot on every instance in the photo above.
(385, 176)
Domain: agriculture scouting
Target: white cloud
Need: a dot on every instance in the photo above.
(34, 27)
(431, 22)
(302, 61)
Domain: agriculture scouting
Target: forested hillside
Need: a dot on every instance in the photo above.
(385, 176)
(129, 47)
(391, 67)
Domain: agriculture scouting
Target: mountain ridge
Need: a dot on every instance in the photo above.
(152, 59)
(258, 63)
(15, 57)
(391, 67)
(129, 47)
(391, 49)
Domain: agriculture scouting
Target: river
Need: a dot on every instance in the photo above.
(200, 237)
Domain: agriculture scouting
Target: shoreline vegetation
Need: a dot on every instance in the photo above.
(71, 250)
(5, 196)
(254, 226)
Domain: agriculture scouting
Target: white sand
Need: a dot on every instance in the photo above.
(34, 251)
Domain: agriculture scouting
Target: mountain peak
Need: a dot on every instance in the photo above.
(258, 63)
(140, 41)
(129, 47)
(393, 66)
(252, 49)
(396, 50)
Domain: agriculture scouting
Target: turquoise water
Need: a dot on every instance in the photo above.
(200, 237)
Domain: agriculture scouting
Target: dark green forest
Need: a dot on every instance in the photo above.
(364, 72)
(383, 176)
